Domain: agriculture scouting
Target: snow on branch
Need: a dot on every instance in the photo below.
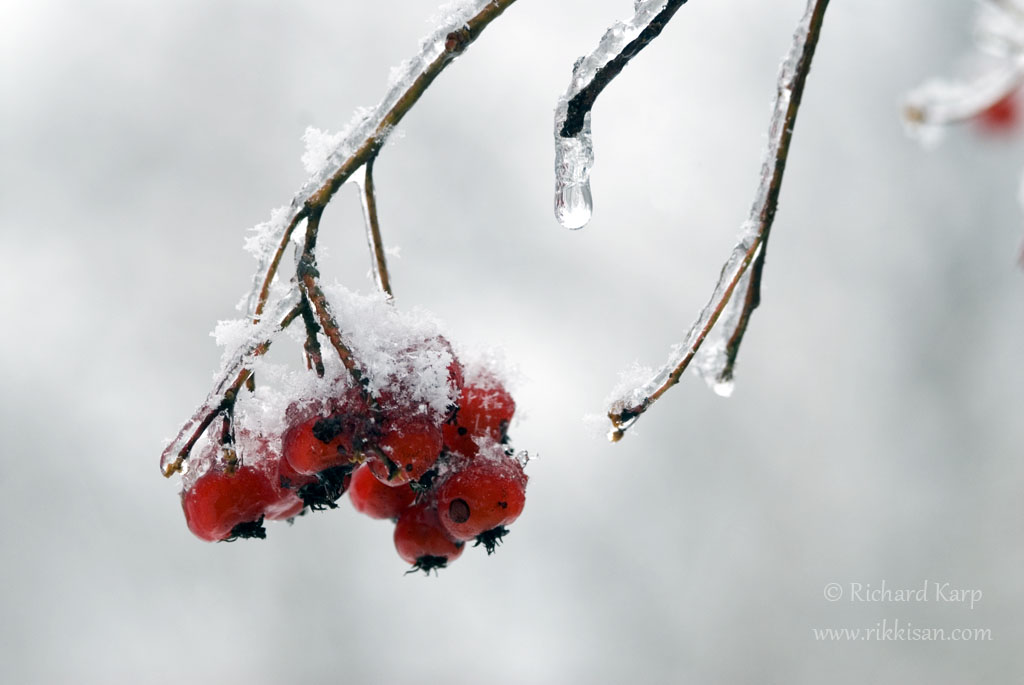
(732, 314)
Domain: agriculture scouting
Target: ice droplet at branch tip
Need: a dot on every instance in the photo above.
(574, 157)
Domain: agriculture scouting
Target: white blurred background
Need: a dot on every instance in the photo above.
(874, 436)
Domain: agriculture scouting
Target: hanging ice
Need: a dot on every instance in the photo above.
(574, 157)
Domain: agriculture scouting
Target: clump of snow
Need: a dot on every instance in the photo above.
(319, 146)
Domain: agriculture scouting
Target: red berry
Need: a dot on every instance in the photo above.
(288, 505)
(328, 439)
(1001, 117)
(375, 499)
(485, 410)
(219, 502)
(291, 479)
(409, 446)
(421, 541)
(482, 495)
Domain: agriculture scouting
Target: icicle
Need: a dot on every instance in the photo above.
(574, 157)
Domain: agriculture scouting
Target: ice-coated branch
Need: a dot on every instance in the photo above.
(309, 283)
(366, 135)
(652, 17)
(314, 357)
(736, 273)
(379, 260)
(232, 376)
(574, 148)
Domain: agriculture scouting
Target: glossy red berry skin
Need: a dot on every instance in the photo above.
(288, 505)
(218, 501)
(375, 499)
(421, 540)
(331, 437)
(482, 495)
(485, 410)
(411, 444)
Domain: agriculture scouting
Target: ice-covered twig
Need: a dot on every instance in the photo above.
(750, 248)
(379, 261)
(314, 357)
(233, 375)
(574, 149)
(600, 67)
(309, 283)
(368, 133)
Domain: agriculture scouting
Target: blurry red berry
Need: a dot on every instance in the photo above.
(421, 540)
(482, 495)
(375, 499)
(1002, 117)
(219, 502)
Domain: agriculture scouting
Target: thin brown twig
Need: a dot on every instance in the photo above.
(309, 277)
(314, 358)
(275, 262)
(373, 237)
(622, 417)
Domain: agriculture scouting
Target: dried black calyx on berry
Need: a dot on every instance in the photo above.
(326, 430)
(330, 485)
(249, 529)
(428, 563)
(490, 539)
(425, 482)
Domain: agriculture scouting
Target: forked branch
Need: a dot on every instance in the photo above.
(359, 147)
(750, 249)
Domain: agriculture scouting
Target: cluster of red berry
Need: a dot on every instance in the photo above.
(446, 478)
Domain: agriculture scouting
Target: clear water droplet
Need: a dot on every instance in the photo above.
(573, 204)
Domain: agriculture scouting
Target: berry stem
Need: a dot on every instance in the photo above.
(309, 284)
(275, 262)
(379, 261)
(314, 358)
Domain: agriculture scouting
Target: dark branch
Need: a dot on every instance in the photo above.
(583, 101)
